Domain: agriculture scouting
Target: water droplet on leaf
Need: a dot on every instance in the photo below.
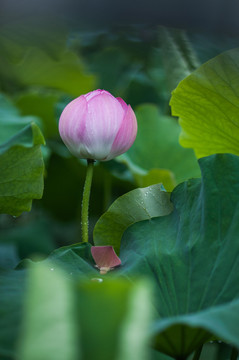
(97, 280)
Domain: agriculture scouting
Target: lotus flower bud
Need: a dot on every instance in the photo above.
(98, 126)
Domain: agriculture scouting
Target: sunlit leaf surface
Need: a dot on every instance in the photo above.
(207, 103)
(137, 205)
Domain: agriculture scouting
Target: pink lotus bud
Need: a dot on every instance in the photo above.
(98, 126)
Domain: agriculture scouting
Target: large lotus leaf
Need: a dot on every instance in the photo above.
(156, 146)
(207, 103)
(21, 170)
(193, 257)
(136, 205)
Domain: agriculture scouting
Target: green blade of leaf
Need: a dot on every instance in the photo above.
(21, 170)
(136, 205)
(207, 103)
(193, 256)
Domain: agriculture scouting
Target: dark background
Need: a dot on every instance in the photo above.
(217, 16)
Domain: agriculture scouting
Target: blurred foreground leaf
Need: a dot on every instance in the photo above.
(66, 320)
(193, 257)
(136, 205)
(207, 103)
(114, 319)
(49, 329)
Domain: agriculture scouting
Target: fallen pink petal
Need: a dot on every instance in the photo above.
(105, 258)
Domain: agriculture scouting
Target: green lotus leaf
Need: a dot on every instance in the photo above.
(21, 170)
(193, 257)
(207, 103)
(136, 205)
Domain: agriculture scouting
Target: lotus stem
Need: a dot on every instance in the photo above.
(85, 201)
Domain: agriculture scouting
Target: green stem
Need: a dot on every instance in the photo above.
(234, 354)
(85, 200)
(197, 353)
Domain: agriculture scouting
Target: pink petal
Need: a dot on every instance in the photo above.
(94, 93)
(123, 104)
(103, 120)
(105, 256)
(72, 124)
(126, 134)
